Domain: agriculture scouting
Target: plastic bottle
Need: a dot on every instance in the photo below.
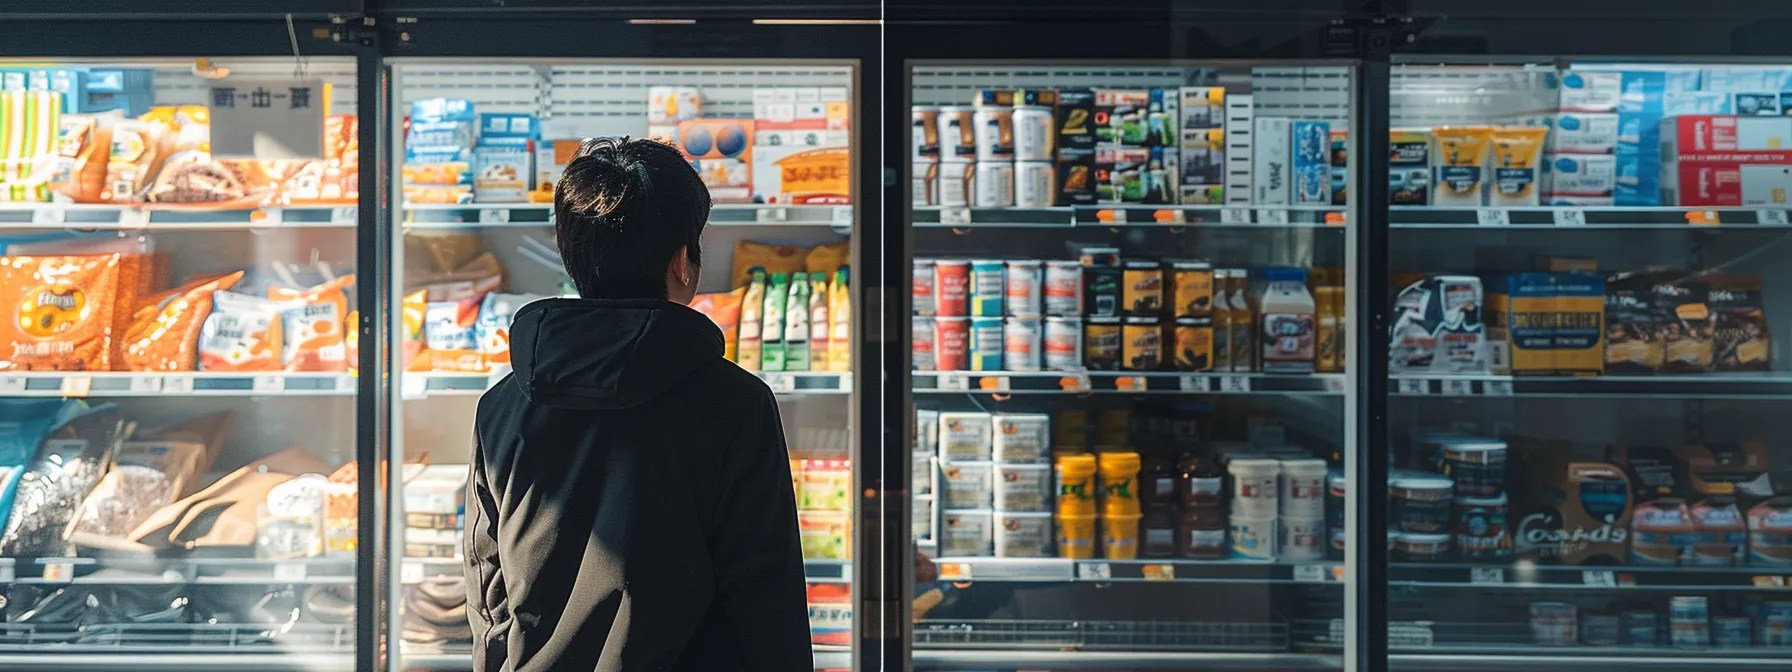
(772, 335)
(752, 311)
(1289, 334)
(818, 321)
(1244, 323)
(796, 326)
(1222, 320)
(1325, 356)
(840, 322)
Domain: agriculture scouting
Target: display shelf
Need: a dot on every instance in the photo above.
(1765, 384)
(1523, 575)
(1123, 382)
(814, 571)
(159, 659)
(535, 215)
(1416, 217)
(826, 656)
(197, 383)
(421, 385)
(1106, 571)
(1592, 659)
(116, 571)
(934, 659)
(172, 218)
(1103, 216)
(1130, 636)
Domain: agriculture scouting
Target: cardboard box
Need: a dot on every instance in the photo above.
(1239, 148)
(1120, 173)
(1271, 154)
(1571, 175)
(1076, 178)
(1409, 167)
(1712, 136)
(1759, 180)
(1203, 107)
(1583, 133)
(1310, 163)
(1549, 324)
(1340, 163)
(1121, 116)
(1076, 120)
(1568, 512)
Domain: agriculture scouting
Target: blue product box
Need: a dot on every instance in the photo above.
(1745, 79)
(1695, 102)
(441, 131)
(1310, 160)
(505, 128)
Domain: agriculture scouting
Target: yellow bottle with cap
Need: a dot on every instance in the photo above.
(1118, 473)
(1076, 484)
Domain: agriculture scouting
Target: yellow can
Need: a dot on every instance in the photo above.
(1076, 537)
(1194, 345)
(1120, 537)
(1076, 484)
(1194, 288)
(1119, 476)
(1142, 288)
(1142, 345)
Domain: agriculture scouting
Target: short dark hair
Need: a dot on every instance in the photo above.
(621, 210)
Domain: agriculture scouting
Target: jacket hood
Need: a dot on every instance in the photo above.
(606, 353)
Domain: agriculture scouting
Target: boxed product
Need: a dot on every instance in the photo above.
(1202, 174)
(1712, 137)
(1340, 162)
(669, 105)
(1583, 133)
(1695, 471)
(721, 152)
(1589, 91)
(1438, 327)
(1120, 173)
(1409, 167)
(501, 173)
(551, 157)
(1310, 163)
(1238, 136)
(1122, 116)
(438, 151)
(435, 498)
(1075, 120)
(1697, 102)
(1763, 104)
(1717, 160)
(1569, 512)
(1579, 176)
(1271, 154)
(1203, 107)
(1713, 183)
(1547, 324)
(1163, 118)
(1076, 177)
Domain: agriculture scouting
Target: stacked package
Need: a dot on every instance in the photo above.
(791, 309)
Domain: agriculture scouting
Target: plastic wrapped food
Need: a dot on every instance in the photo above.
(137, 151)
(448, 332)
(290, 524)
(146, 476)
(312, 321)
(493, 326)
(30, 122)
(64, 310)
(165, 335)
(50, 490)
(82, 148)
(197, 181)
(243, 333)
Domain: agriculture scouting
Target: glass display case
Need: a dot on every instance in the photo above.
(179, 481)
(1128, 312)
(1586, 330)
(484, 142)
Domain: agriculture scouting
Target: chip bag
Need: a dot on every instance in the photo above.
(243, 333)
(723, 308)
(773, 258)
(448, 332)
(64, 310)
(165, 335)
(493, 326)
(311, 321)
(412, 311)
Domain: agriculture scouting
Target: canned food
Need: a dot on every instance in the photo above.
(995, 133)
(923, 290)
(1732, 631)
(958, 134)
(1143, 288)
(951, 287)
(1023, 288)
(994, 186)
(1063, 288)
(925, 135)
(950, 342)
(956, 184)
(1193, 283)
(1482, 529)
(1020, 339)
(1194, 345)
(988, 286)
(1035, 184)
(926, 183)
(1034, 137)
(1639, 627)
(1101, 343)
(1142, 345)
(1063, 344)
(1599, 630)
(986, 344)
(1689, 621)
(923, 349)
(1101, 291)
(1553, 623)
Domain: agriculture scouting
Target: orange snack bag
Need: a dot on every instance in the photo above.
(165, 335)
(242, 334)
(412, 308)
(312, 325)
(64, 310)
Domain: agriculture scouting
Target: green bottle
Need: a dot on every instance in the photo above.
(771, 357)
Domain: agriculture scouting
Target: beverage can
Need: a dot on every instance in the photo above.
(1063, 344)
(951, 340)
(1101, 343)
(994, 185)
(1034, 137)
(995, 133)
(958, 134)
(1023, 289)
(1035, 184)
(923, 349)
(922, 292)
(1063, 288)
(951, 287)
(925, 133)
(988, 285)
(1021, 343)
(956, 185)
(985, 344)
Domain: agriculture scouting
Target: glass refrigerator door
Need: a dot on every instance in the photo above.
(1587, 352)
(177, 473)
(479, 244)
(1129, 288)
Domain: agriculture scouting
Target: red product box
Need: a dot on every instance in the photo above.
(1727, 183)
(1726, 160)
(1712, 136)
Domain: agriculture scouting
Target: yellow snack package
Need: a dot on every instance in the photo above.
(828, 258)
(774, 259)
(1517, 166)
(1459, 156)
(312, 325)
(412, 309)
(241, 334)
(165, 334)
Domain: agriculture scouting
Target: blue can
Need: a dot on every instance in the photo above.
(1640, 628)
(1735, 631)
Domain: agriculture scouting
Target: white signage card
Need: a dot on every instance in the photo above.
(267, 119)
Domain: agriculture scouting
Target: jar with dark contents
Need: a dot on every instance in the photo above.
(1421, 503)
(1157, 480)
(1201, 533)
(1199, 482)
(1158, 530)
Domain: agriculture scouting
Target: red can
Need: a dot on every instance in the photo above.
(950, 336)
(951, 283)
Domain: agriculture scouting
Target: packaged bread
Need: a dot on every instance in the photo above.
(448, 332)
(66, 310)
(82, 148)
(164, 336)
(774, 259)
(311, 321)
(137, 151)
(196, 181)
(243, 333)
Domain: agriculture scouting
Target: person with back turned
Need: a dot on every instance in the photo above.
(630, 505)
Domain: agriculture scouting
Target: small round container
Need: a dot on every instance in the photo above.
(987, 288)
(1035, 184)
(951, 284)
(1553, 623)
(1255, 487)
(923, 347)
(1599, 630)
(951, 342)
(995, 133)
(1301, 539)
(1035, 133)
(1252, 538)
(923, 287)
(1641, 628)
(1063, 344)
(1483, 529)
(1416, 547)
(986, 344)
(1303, 489)
(1689, 621)
(1421, 502)
(1732, 632)
(968, 485)
(1023, 535)
(1064, 288)
(1021, 340)
(1024, 488)
(967, 533)
(1024, 288)
(958, 134)
(1477, 466)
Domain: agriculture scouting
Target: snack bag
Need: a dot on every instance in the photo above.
(723, 308)
(773, 258)
(164, 336)
(81, 150)
(243, 333)
(137, 151)
(413, 309)
(827, 258)
(448, 332)
(64, 310)
(311, 322)
(493, 326)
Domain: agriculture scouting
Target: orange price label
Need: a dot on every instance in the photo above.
(1159, 572)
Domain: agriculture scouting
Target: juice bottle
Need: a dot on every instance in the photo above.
(1222, 320)
(1325, 356)
(1244, 323)
(1340, 354)
(840, 322)
(752, 315)
(796, 325)
(818, 321)
(1289, 334)
(771, 336)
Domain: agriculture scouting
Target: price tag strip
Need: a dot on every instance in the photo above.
(1094, 571)
(1415, 386)
(955, 571)
(957, 216)
(1458, 387)
(1571, 217)
(1235, 216)
(1159, 572)
(1486, 575)
(1772, 218)
(1196, 383)
(954, 382)
(1493, 217)
(1235, 384)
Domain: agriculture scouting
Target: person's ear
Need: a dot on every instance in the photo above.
(681, 269)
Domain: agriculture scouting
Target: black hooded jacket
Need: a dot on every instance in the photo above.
(630, 505)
